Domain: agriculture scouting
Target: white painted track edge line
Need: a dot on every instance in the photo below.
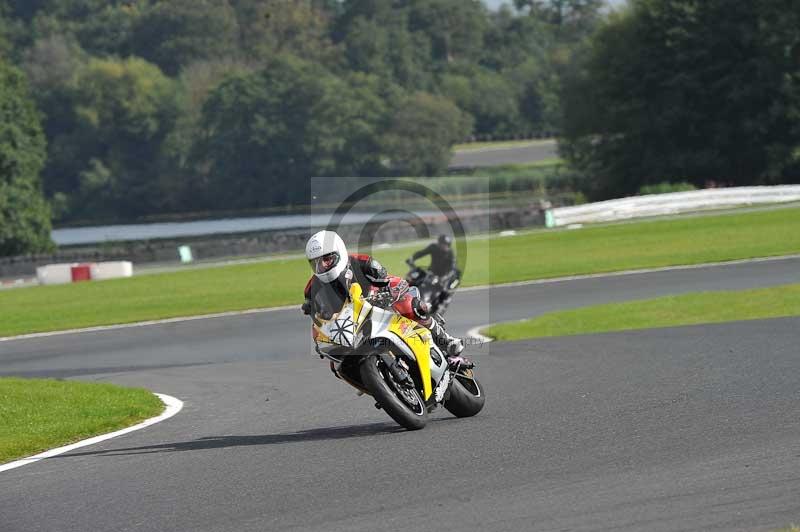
(173, 406)
(475, 334)
(181, 319)
(178, 319)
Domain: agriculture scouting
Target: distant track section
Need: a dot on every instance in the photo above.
(501, 155)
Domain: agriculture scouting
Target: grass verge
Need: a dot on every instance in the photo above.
(671, 311)
(41, 414)
(534, 255)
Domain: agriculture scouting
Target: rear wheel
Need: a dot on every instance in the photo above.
(403, 404)
(466, 395)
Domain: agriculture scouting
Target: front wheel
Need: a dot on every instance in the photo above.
(466, 395)
(403, 404)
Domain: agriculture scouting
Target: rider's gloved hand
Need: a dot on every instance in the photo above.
(307, 307)
(382, 298)
(410, 262)
(421, 309)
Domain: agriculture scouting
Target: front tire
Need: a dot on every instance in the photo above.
(406, 407)
(466, 396)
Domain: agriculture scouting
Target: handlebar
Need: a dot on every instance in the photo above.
(381, 299)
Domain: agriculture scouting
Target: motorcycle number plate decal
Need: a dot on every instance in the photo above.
(342, 331)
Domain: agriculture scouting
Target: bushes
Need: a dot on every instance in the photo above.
(666, 188)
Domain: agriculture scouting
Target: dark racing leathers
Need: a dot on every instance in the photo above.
(443, 265)
(374, 280)
(443, 262)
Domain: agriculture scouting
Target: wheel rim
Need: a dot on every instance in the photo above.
(409, 396)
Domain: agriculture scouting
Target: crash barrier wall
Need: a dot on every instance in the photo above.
(77, 272)
(672, 203)
(262, 242)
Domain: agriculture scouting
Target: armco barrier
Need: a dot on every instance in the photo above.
(672, 203)
(81, 272)
(207, 247)
(111, 270)
(71, 273)
(54, 274)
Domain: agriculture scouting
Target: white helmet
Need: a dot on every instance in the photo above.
(327, 255)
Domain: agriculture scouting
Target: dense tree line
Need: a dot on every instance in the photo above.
(691, 91)
(24, 215)
(118, 109)
(169, 106)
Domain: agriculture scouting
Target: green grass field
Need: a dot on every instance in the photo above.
(36, 415)
(672, 311)
(534, 255)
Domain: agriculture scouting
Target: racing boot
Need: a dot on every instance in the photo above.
(452, 346)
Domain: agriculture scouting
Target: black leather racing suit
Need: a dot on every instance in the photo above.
(443, 261)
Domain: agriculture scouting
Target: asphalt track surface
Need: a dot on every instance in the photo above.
(494, 156)
(672, 429)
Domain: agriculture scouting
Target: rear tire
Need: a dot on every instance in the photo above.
(466, 397)
(375, 378)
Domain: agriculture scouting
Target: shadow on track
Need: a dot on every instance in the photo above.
(219, 442)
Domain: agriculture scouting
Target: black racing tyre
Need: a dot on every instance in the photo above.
(406, 407)
(466, 396)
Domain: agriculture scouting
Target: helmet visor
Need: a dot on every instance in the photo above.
(324, 263)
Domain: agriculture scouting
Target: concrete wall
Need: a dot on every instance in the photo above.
(249, 244)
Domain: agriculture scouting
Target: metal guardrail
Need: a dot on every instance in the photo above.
(671, 203)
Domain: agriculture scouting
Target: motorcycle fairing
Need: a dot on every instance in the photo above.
(345, 327)
(409, 336)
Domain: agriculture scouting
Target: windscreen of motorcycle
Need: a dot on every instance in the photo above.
(329, 299)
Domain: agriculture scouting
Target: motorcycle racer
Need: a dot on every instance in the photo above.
(443, 265)
(334, 269)
(443, 261)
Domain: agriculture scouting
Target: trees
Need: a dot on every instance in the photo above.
(109, 158)
(573, 19)
(688, 89)
(171, 34)
(27, 9)
(391, 53)
(422, 132)
(24, 214)
(154, 105)
(274, 27)
(454, 27)
(5, 45)
(376, 39)
(265, 134)
(489, 97)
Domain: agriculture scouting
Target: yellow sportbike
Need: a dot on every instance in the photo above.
(393, 359)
